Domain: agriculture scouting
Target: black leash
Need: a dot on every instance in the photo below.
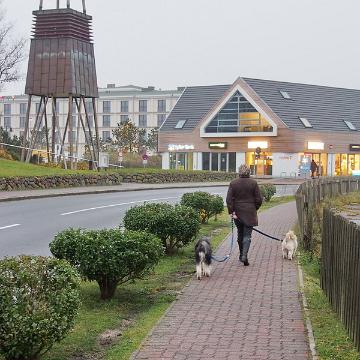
(267, 235)
(227, 257)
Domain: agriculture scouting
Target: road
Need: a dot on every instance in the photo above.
(28, 226)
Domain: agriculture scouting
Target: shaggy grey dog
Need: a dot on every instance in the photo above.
(203, 255)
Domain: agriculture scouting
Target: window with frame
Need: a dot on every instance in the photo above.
(7, 109)
(123, 118)
(89, 107)
(7, 122)
(73, 135)
(162, 105)
(91, 121)
(124, 106)
(22, 121)
(142, 121)
(160, 119)
(38, 108)
(106, 121)
(106, 136)
(142, 105)
(238, 115)
(23, 108)
(106, 106)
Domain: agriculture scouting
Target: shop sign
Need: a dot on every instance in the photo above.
(178, 147)
(258, 144)
(354, 147)
(218, 145)
(315, 145)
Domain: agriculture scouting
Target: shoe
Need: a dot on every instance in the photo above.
(240, 256)
(246, 262)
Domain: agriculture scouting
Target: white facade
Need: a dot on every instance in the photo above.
(145, 107)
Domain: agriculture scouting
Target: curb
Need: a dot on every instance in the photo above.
(42, 196)
(310, 333)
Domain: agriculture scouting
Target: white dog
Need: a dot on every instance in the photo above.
(203, 255)
(289, 245)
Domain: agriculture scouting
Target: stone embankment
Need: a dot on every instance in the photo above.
(78, 180)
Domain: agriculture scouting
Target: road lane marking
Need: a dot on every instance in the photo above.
(114, 205)
(9, 226)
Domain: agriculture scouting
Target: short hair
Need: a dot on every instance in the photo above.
(244, 171)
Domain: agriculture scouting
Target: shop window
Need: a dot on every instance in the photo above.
(223, 161)
(232, 162)
(206, 161)
(214, 162)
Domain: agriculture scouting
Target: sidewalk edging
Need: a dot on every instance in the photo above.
(310, 332)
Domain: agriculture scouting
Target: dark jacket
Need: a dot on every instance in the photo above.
(244, 198)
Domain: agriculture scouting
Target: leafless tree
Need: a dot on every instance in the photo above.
(11, 51)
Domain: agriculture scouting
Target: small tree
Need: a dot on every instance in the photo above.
(129, 137)
(176, 225)
(6, 138)
(110, 257)
(39, 300)
(268, 191)
(204, 203)
(152, 140)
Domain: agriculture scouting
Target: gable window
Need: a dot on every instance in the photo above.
(285, 95)
(350, 125)
(180, 124)
(238, 115)
(305, 122)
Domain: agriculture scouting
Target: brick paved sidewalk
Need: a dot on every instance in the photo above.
(251, 313)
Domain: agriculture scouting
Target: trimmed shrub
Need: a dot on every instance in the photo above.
(267, 191)
(39, 300)
(110, 257)
(176, 225)
(205, 204)
(217, 205)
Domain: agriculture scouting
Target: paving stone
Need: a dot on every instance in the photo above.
(239, 312)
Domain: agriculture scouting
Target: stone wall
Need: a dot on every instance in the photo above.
(76, 180)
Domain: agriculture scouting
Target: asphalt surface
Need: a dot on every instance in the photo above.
(28, 226)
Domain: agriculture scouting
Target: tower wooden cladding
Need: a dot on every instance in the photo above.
(62, 65)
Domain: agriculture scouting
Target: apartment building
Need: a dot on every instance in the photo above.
(146, 107)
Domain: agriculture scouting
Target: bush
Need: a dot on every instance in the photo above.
(268, 191)
(205, 204)
(176, 225)
(110, 257)
(39, 299)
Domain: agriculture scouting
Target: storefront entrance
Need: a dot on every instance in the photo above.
(219, 161)
(260, 165)
(305, 161)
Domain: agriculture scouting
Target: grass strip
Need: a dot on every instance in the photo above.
(332, 341)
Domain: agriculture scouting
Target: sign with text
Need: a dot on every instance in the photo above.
(103, 159)
(218, 145)
(354, 147)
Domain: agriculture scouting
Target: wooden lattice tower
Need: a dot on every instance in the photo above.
(62, 65)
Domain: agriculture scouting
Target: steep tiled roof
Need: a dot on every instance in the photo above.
(193, 105)
(324, 107)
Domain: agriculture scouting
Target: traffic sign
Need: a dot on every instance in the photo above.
(145, 157)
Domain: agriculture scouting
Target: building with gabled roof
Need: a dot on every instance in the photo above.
(275, 127)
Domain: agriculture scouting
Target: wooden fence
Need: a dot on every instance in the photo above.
(340, 269)
(311, 193)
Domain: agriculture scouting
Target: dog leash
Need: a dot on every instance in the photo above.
(267, 235)
(226, 257)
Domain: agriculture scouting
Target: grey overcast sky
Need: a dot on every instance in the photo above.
(170, 43)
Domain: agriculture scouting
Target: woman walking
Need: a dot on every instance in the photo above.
(243, 200)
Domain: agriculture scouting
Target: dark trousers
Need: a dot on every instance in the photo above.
(244, 238)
